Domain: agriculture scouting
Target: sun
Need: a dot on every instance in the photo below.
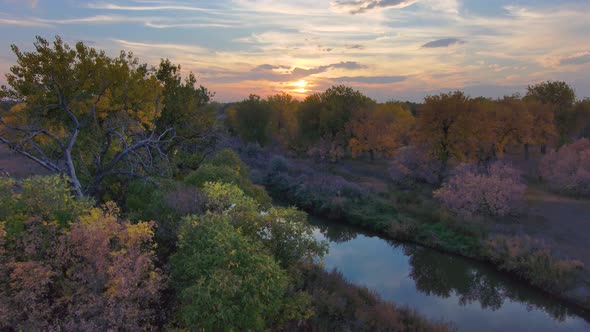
(300, 86)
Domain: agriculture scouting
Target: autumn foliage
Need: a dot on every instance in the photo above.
(98, 273)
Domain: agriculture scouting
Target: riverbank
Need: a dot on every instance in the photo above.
(361, 194)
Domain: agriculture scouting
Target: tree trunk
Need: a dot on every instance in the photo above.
(543, 149)
(372, 153)
(526, 151)
(70, 163)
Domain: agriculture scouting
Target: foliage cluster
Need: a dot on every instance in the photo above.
(94, 272)
(491, 190)
(532, 259)
(568, 169)
(344, 307)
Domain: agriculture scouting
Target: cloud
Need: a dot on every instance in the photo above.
(361, 6)
(266, 67)
(23, 22)
(355, 47)
(298, 73)
(281, 73)
(110, 6)
(369, 79)
(578, 59)
(445, 42)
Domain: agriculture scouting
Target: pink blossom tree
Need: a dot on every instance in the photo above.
(493, 190)
(568, 169)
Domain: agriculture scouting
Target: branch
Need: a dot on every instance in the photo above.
(45, 163)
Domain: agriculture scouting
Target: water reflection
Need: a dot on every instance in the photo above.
(472, 295)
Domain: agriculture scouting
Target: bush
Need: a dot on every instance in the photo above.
(531, 259)
(49, 198)
(567, 170)
(226, 166)
(412, 164)
(494, 190)
(342, 306)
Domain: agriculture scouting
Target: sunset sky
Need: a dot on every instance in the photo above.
(388, 49)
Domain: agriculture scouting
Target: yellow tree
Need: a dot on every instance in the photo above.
(511, 122)
(445, 126)
(84, 114)
(379, 130)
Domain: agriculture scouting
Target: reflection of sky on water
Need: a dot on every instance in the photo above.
(373, 262)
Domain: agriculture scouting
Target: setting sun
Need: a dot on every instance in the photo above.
(300, 86)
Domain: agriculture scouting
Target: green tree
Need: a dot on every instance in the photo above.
(323, 118)
(224, 280)
(283, 122)
(250, 119)
(562, 97)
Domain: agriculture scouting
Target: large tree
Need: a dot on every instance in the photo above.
(89, 116)
(445, 126)
(561, 97)
(379, 130)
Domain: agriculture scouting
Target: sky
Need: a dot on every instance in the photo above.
(387, 49)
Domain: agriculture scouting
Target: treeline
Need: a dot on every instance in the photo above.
(341, 122)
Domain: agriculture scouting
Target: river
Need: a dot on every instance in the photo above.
(472, 295)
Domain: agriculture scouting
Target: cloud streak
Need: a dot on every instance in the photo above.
(369, 79)
(445, 42)
(579, 59)
(362, 6)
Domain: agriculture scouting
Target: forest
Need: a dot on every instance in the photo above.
(161, 209)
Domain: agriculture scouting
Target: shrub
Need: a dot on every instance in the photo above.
(494, 190)
(531, 259)
(412, 164)
(226, 166)
(567, 170)
(342, 306)
(49, 198)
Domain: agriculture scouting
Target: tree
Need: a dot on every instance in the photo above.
(445, 126)
(559, 95)
(84, 114)
(504, 122)
(581, 128)
(184, 110)
(323, 118)
(379, 130)
(568, 169)
(493, 190)
(283, 123)
(250, 119)
(224, 280)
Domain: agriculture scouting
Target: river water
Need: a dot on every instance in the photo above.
(472, 295)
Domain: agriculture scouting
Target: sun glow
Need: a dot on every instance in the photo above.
(300, 86)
